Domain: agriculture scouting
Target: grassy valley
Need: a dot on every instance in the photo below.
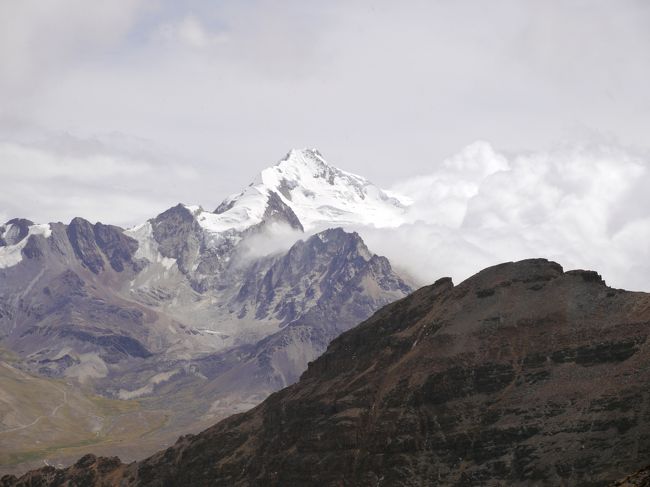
(50, 421)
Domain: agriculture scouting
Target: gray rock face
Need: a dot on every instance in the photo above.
(94, 245)
(117, 247)
(276, 211)
(326, 270)
(178, 235)
(82, 238)
(321, 287)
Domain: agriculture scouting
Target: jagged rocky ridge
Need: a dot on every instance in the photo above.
(523, 374)
(80, 288)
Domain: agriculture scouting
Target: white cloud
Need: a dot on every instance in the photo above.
(585, 206)
(275, 238)
(385, 90)
(189, 31)
(374, 84)
(37, 37)
(56, 177)
(450, 188)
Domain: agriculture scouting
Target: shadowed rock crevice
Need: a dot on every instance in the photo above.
(95, 245)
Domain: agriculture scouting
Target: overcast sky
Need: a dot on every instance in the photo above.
(116, 110)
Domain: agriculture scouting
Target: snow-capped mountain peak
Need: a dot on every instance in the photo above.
(308, 168)
(319, 194)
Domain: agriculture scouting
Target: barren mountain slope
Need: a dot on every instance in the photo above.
(523, 374)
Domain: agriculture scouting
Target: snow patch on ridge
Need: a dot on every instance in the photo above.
(247, 209)
(147, 246)
(11, 255)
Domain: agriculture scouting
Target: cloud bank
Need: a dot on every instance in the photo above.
(375, 84)
(58, 176)
(386, 90)
(584, 206)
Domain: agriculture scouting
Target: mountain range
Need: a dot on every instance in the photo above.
(193, 314)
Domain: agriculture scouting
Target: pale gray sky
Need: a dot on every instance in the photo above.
(116, 110)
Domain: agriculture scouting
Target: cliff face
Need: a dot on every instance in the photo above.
(523, 374)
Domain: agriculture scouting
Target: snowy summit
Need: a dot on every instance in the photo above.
(319, 194)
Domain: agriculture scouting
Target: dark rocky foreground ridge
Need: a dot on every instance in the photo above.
(521, 375)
